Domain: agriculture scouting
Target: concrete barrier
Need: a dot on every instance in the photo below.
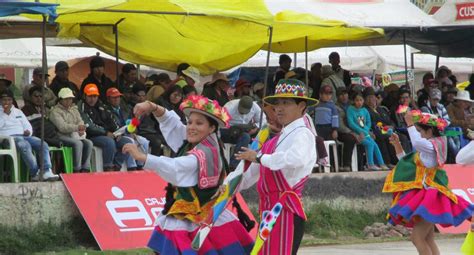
(26, 204)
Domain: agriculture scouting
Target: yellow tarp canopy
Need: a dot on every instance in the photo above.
(215, 36)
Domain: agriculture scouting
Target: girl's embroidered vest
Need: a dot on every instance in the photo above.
(410, 173)
(194, 203)
(272, 188)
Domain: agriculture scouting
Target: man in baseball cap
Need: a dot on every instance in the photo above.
(97, 76)
(48, 95)
(61, 80)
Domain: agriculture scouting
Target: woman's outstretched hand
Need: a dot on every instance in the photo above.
(148, 107)
(133, 150)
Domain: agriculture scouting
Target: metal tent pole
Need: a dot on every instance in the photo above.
(306, 61)
(405, 56)
(115, 30)
(44, 67)
(267, 67)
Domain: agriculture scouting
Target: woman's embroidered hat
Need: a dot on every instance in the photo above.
(429, 120)
(206, 106)
(290, 88)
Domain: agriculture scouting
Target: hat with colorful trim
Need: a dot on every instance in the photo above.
(290, 88)
(206, 106)
(429, 120)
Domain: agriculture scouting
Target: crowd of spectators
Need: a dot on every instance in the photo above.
(94, 113)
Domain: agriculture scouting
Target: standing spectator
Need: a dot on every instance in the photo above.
(72, 131)
(285, 65)
(32, 112)
(14, 123)
(163, 84)
(423, 94)
(331, 79)
(5, 85)
(434, 107)
(61, 80)
(460, 112)
(49, 97)
(315, 79)
(343, 74)
(326, 116)
(121, 113)
(138, 94)
(344, 134)
(128, 78)
(100, 128)
(245, 119)
(358, 119)
(189, 76)
(97, 77)
(171, 100)
(470, 87)
(242, 88)
(380, 114)
(217, 90)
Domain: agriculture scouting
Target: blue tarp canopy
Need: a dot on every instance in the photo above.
(11, 8)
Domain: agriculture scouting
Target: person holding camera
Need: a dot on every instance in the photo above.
(245, 122)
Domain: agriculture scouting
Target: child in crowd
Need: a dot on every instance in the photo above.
(422, 197)
(326, 115)
(358, 119)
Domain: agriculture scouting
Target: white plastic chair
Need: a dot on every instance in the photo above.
(13, 154)
(97, 162)
(333, 145)
(227, 150)
(354, 161)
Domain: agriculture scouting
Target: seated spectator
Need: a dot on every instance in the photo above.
(358, 119)
(32, 112)
(188, 91)
(326, 116)
(331, 79)
(189, 76)
(470, 87)
(450, 95)
(14, 123)
(428, 83)
(242, 88)
(101, 127)
(460, 112)
(4, 85)
(171, 100)
(49, 97)
(258, 89)
(217, 89)
(380, 114)
(391, 96)
(97, 76)
(138, 95)
(244, 123)
(404, 99)
(344, 75)
(72, 130)
(121, 113)
(433, 106)
(344, 134)
(163, 84)
(128, 78)
(61, 80)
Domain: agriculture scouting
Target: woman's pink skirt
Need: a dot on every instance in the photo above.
(430, 205)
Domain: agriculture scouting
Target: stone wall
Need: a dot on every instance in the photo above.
(25, 204)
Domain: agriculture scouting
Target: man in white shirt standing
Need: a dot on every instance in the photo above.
(14, 123)
(244, 123)
(283, 166)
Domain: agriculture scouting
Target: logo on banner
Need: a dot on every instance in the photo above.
(398, 77)
(126, 210)
(465, 11)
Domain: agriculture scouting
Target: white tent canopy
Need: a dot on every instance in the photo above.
(388, 13)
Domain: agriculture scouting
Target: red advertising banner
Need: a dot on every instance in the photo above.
(461, 182)
(465, 11)
(120, 208)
